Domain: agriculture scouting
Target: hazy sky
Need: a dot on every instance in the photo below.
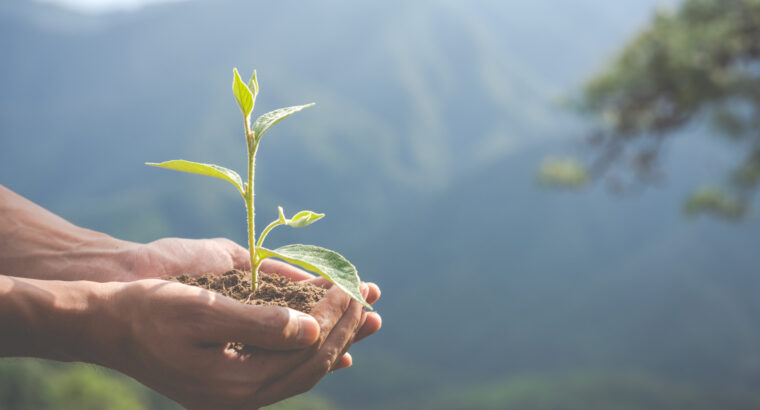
(98, 6)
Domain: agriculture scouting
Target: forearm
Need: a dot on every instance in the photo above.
(36, 243)
(59, 320)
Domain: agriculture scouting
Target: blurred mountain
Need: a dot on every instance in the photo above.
(504, 279)
(411, 96)
(431, 118)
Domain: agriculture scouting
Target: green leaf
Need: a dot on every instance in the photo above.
(203, 169)
(243, 94)
(300, 219)
(253, 85)
(266, 121)
(328, 264)
(304, 218)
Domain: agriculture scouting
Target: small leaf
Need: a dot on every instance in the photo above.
(253, 85)
(266, 121)
(203, 169)
(242, 94)
(304, 218)
(283, 220)
(328, 264)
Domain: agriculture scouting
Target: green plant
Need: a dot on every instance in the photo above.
(324, 262)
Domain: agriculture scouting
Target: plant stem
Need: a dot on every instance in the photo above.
(251, 220)
(266, 231)
(250, 141)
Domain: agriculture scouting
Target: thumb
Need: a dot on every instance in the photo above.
(268, 327)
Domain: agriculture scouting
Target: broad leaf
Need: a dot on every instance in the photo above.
(203, 169)
(266, 121)
(328, 264)
(243, 95)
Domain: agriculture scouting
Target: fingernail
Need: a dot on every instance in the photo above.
(308, 330)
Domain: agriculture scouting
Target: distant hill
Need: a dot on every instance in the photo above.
(431, 118)
(411, 96)
(498, 277)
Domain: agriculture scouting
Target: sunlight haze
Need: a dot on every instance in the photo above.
(101, 6)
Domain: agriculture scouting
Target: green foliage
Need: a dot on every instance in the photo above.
(589, 391)
(243, 94)
(23, 385)
(308, 401)
(300, 219)
(714, 201)
(204, 169)
(266, 121)
(563, 172)
(698, 62)
(253, 85)
(85, 388)
(324, 262)
(33, 384)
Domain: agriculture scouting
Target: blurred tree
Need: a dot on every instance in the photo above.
(32, 384)
(563, 172)
(701, 61)
(86, 387)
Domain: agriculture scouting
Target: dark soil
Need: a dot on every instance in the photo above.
(273, 290)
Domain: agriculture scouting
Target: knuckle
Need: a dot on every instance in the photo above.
(321, 366)
(356, 318)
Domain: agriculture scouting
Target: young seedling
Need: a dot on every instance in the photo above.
(324, 262)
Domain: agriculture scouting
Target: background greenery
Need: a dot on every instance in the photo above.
(432, 118)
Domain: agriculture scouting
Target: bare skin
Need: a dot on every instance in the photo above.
(68, 293)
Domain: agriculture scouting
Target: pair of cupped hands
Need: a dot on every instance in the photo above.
(74, 294)
(180, 333)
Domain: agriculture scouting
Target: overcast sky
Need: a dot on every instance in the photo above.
(99, 6)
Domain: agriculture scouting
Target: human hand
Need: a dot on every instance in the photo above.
(371, 321)
(178, 334)
(177, 256)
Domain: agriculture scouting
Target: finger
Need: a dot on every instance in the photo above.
(365, 289)
(328, 312)
(345, 361)
(241, 259)
(372, 296)
(321, 282)
(306, 375)
(269, 327)
(372, 324)
(374, 293)
(284, 269)
(348, 345)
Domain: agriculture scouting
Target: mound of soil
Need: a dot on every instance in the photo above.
(273, 290)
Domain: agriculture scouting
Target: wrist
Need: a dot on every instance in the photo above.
(105, 327)
(56, 320)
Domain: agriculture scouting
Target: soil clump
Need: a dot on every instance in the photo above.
(273, 289)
